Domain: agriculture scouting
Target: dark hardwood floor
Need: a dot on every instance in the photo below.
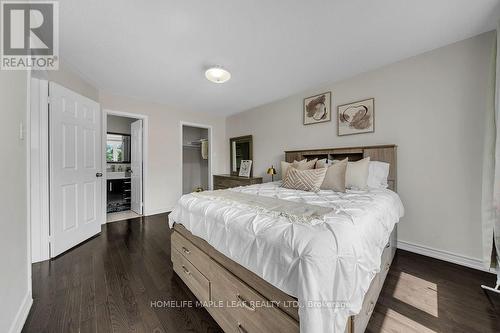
(111, 283)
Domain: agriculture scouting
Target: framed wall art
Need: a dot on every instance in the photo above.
(356, 117)
(317, 109)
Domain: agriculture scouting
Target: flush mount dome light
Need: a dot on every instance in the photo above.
(217, 74)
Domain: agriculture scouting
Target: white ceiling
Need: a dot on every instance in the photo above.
(158, 50)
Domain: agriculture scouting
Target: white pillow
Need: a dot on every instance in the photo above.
(356, 174)
(377, 174)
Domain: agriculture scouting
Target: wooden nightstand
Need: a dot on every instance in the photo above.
(227, 181)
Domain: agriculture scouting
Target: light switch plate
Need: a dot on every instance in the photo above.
(21, 131)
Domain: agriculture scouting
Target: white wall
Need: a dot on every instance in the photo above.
(117, 124)
(164, 183)
(433, 107)
(15, 275)
(68, 77)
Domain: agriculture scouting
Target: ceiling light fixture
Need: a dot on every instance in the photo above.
(217, 74)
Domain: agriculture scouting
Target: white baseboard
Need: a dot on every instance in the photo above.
(444, 255)
(22, 314)
(157, 211)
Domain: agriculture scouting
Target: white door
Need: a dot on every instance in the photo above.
(75, 163)
(136, 166)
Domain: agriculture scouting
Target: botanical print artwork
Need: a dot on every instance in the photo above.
(357, 117)
(245, 167)
(317, 108)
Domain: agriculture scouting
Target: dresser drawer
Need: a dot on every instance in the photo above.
(191, 252)
(197, 282)
(227, 181)
(246, 310)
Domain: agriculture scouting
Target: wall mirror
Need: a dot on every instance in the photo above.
(117, 148)
(241, 149)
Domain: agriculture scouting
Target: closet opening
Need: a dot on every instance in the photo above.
(196, 158)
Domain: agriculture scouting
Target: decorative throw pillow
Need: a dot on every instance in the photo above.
(304, 164)
(322, 163)
(335, 177)
(356, 175)
(377, 174)
(304, 180)
(286, 165)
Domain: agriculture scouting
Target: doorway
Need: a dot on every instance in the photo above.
(124, 165)
(196, 157)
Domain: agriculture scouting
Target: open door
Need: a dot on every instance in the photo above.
(136, 166)
(75, 168)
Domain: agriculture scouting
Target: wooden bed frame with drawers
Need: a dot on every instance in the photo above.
(217, 280)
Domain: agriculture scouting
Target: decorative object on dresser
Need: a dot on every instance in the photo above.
(227, 181)
(245, 168)
(356, 117)
(271, 171)
(317, 109)
(241, 148)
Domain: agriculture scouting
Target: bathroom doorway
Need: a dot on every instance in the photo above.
(124, 150)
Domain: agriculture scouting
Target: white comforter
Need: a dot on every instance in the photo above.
(327, 266)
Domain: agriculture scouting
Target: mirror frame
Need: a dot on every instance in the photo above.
(245, 138)
(122, 134)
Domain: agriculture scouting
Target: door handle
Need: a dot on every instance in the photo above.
(99, 174)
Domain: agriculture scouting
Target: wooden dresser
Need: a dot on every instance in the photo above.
(226, 181)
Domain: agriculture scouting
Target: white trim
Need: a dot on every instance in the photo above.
(157, 211)
(29, 285)
(210, 141)
(24, 309)
(145, 153)
(444, 255)
(38, 144)
(22, 313)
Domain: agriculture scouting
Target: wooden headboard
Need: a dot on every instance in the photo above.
(383, 153)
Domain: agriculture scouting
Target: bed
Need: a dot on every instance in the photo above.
(258, 273)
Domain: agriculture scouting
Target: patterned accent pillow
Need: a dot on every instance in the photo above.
(304, 180)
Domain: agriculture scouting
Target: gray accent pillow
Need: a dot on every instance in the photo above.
(335, 177)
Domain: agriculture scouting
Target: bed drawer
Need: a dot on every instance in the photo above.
(244, 311)
(360, 321)
(192, 253)
(197, 282)
(385, 261)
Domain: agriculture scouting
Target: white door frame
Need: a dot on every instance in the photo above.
(210, 130)
(145, 144)
(38, 166)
